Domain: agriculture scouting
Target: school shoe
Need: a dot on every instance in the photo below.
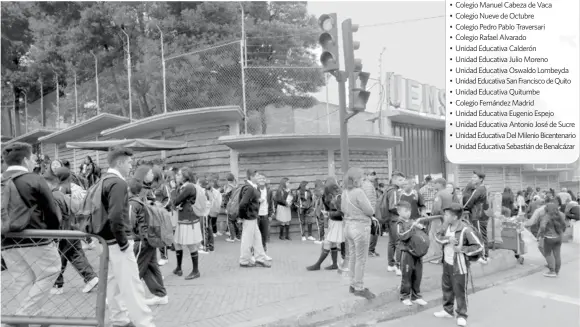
(461, 322)
(91, 284)
(442, 314)
(56, 291)
(407, 302)
(163, 262)
(391, 268)
(157, 300)
(420, 302)
(310, 238)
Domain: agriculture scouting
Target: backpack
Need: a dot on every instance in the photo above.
(200, 206)
(233, 206)
(466, 221)
(418, 243)
(91, 215)
(15, 213)
(62, 209)
(382, 207)
(160, 229)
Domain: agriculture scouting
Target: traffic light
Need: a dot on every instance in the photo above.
(358, 94)
(329, 42)
(357, 80)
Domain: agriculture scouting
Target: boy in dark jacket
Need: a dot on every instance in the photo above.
(411, 266)
(460, 243)
(145, 253)
(70, 249)
(476, 204)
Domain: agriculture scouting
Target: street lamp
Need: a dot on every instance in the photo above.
(128, 71)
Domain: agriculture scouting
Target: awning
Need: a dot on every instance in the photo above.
(416, 118)
(85, 128)
(144, 127)
(32, 136)
(134, 144)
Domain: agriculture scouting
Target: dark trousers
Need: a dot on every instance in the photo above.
(481, 226)
(264, 227)
(320, 226)
(208, 240)
(149, 268)
(454, 287)
(374, 237)
(393, 240)
(235, 229)
(213, 224)
(303, 224)
(412, 269)
(163, 252)
(551, 252)
(72, 250)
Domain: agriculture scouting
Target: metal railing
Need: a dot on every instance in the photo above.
(64, 316)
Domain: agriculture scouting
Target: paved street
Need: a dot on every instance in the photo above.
(531, 301)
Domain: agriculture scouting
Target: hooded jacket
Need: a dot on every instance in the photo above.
(470, 245)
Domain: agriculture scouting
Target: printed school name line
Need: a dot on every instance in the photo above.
(489, 37)
(487, 16)
(500, 59)
(499, 113)
(512, 124)
(516, 135)
(503, 5)
(510, 70)
(512, 92)
(500, 27)
(515, 146)
(512, 81)
(494, 48)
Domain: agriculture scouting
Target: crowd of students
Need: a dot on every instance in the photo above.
(426, 223)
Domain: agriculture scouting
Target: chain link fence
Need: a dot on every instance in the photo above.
(205, 78)
(36, 287)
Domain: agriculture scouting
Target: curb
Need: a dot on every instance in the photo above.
(401, 312)
(502, 260)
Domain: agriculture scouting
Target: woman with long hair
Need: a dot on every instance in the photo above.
(160, 195)
(358, 213)
(89, 171)
(552, 227)
(520, 203)
(188, 232)
(450, 187)
(507, 198)
(284, 200)
(334, 235)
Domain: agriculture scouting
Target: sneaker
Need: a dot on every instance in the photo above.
(391, 268)
(398, 272)
(420, 302)
(157, 300)
(163, 262)
(407, 302)
(214, 235)
(219, 234)
(442, 314)
(237, 239)
(482, 261)
(384, 233)
(203, 251)
(303, 238)
(228, 233)
(317, 242)
(91, 284)
(310, 238)
(267, 258)
(230, 240)
(56, 291)
(373, 254)
(461, 321)
(365, 293)
(550, 274)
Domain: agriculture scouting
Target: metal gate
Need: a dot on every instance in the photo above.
(421, 153)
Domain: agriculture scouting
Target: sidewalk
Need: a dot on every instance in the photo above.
(286, 294)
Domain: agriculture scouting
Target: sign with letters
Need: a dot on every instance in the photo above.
(411, 95)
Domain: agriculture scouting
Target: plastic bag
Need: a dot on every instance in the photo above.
(528, 237)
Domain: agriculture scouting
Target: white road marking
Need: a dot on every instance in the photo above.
(546, 295)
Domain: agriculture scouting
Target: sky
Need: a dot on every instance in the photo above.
(415, 50)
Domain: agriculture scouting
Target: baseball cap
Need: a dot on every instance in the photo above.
(479, 174)
(454, 208)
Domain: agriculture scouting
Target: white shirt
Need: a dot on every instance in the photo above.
(448, 251)
(264, 202)
(116, 172)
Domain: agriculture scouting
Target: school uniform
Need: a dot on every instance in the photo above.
(305, 204)
(477, 204)
(188, 231)
(411, 266)
(456, 265)
(125, 292)
(32, 262)
(251, 236)
(265, 211)
(283, 211)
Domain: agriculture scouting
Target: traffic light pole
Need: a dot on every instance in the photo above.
(341, 78)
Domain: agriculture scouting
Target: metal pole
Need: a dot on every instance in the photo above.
(25, 112)
(57, 101)
(97, 80)
(76, 100)
(163, 72)
(327, 105)
(244, 61)
(42, 121)
(381, 92)
(387, 94)
(129, 73)
(341, 77)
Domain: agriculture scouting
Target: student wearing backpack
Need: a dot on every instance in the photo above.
(460, 246)
(388, 214)
(477, 205)
(265, 212)
(248, 211)
(234, 227)
(70, 249)
(216, 204)
(27, 203)
(125, 292)
(283, 200)
(145, 253)
(413, 247)
(188, 232)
